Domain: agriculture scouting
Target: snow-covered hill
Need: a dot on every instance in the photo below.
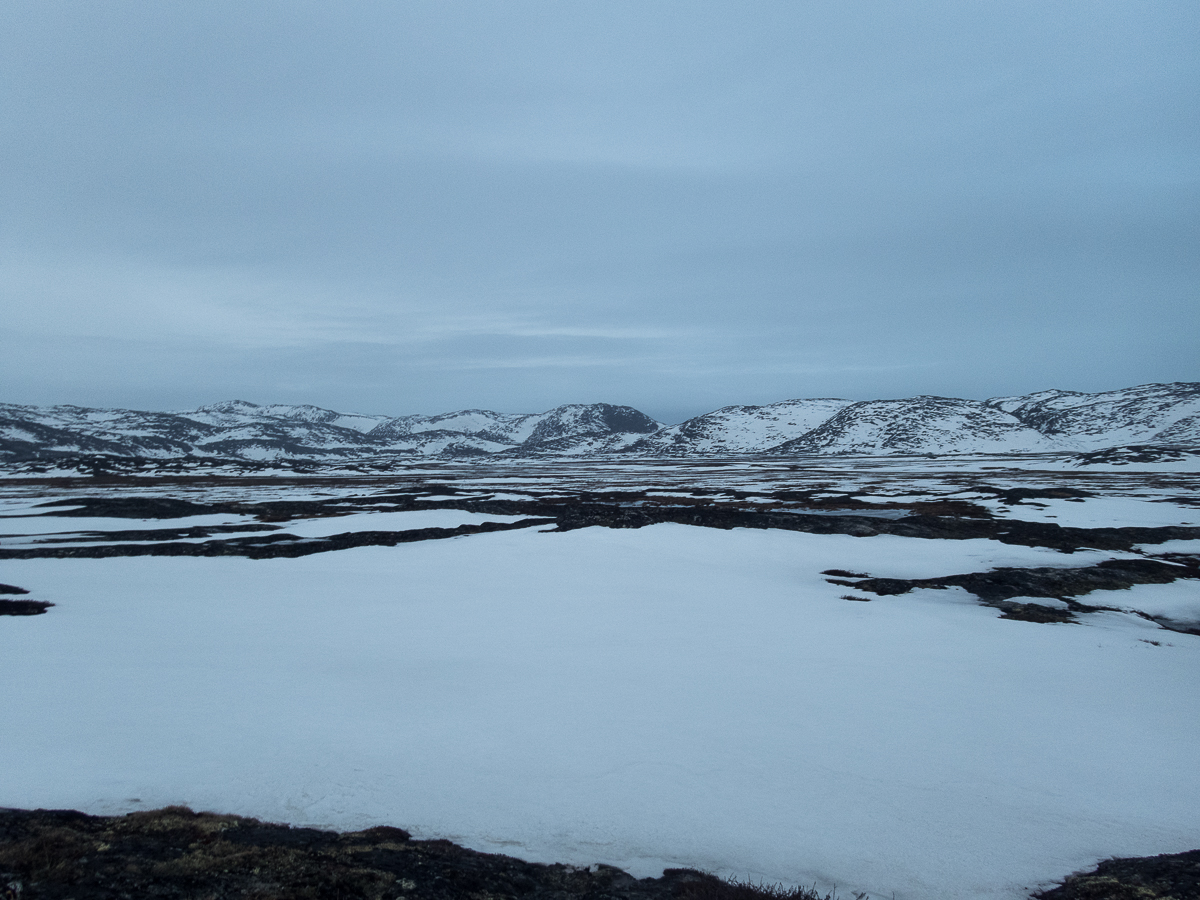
(1147, 414)
(1048, 421)
(597, 427)
(740, 429)
(921, 425)
(239, 412)
(494, 427)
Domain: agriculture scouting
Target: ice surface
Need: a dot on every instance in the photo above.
(661, 696)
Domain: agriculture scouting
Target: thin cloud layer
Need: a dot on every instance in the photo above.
(676, 206)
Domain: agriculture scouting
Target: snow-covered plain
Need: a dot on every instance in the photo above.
(1098, 512)
(664, 696)
(410, 520)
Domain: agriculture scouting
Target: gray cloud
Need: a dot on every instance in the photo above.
(417, 207)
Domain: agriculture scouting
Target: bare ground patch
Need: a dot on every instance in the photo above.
(177, 853)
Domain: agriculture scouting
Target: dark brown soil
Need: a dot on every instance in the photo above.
(177, 853)
(23, 607)
(1167, 877)
(1035, 612)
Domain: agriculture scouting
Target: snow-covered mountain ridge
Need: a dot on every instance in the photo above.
(1047, 421)
(921, 425)
(1149, 413)
(740, 429)
(240, 430)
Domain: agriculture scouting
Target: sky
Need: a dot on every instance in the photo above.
(424, 206)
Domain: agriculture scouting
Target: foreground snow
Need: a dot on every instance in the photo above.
(664, 696)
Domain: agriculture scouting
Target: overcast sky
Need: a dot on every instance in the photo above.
(417, 207)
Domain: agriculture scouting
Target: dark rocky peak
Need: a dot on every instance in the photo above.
(590, 420)
(302, 412)
(231, 406)
(626, 420)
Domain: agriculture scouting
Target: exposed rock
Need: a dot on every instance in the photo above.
(1135, 454)
(609, 510)
(1173, 876)
(998, 587)
(23, 607)
(177, 853)
(269, 546)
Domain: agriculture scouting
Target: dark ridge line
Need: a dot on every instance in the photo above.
(1007, 531)
(272, 546)
(23, 607)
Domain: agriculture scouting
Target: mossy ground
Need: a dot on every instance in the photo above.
(177, 853)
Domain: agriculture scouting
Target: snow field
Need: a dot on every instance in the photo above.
(661, 696)
(1098, 512)
(1178, 601)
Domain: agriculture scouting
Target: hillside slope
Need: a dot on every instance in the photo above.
(921, 425)
(739, 429)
